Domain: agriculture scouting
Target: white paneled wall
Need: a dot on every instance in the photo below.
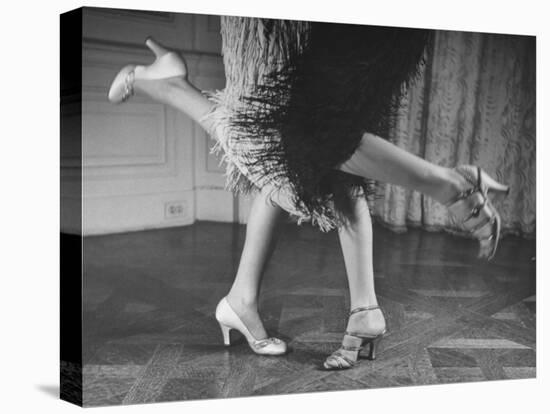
(144, 164)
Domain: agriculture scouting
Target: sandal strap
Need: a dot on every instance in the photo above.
(338, 355)
(363, 309)
(474, 212)
(362, 335)
(476, 186)
(464, 194)
(488, 238)
(489, 221)
(128, 85)
(351, 348)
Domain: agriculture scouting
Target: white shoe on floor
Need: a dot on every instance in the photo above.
(228, 320)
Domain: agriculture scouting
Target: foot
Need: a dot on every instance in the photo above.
(248, 313)
(452, 184)
(366, 325)
(371, 323)
(167, 65)
(472, 210)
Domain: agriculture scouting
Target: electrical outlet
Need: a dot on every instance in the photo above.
(175, 209)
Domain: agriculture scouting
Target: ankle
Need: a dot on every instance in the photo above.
(452, 185)
(181, 84)
(370, 321)
(242, 301)
(367, 302)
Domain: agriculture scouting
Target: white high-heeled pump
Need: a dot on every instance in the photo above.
(228, 320)
(168, 64)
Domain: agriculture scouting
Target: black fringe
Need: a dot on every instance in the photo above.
(313, 112)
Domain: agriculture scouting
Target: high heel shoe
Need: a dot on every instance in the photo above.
(229, 320)
(354, 342)
(167, 64)
(472, 210)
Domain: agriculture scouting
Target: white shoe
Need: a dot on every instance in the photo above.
(228, 320)
(168, 64)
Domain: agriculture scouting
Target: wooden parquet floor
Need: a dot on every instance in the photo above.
(150, 333)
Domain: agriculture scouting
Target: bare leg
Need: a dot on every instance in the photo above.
(258, 246)
(380, 160)
(178, 93)
(182, 95)
(355, 238)
(375, 158)
(356, 243)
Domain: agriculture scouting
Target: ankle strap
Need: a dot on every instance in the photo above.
(128, 85)
(475, 182)
(363, 308)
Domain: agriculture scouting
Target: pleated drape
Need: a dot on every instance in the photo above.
(473, 104)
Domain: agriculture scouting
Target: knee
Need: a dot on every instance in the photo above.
(280, 198)
(360, 210)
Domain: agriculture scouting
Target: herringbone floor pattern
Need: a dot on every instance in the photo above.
(150, 334)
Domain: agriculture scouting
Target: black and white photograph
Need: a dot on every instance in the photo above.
(271, 206)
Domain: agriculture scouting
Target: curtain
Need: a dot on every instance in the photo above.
(474, 103)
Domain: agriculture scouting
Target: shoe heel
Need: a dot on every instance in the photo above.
(373, 343)
(156, 47)
(226, 336)
(493, 186)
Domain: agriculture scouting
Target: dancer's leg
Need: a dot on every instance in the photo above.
(262, 220)
(178, 93)
(158, 82)
(182, 95)
(375, 157)
(356, 243)
(380, 160)
(258, 246)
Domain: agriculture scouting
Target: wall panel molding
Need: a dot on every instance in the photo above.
(141, 157)
(133, 26)
(123, 135)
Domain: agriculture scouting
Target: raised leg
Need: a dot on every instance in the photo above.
(380, 160)
(262, 220)
(179, 93)
(464, 189)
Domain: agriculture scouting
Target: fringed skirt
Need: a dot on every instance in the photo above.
(298, 98)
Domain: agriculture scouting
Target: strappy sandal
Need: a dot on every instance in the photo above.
(354, 342)
(472, 210)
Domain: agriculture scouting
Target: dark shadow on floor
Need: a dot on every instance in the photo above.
(49, 389)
